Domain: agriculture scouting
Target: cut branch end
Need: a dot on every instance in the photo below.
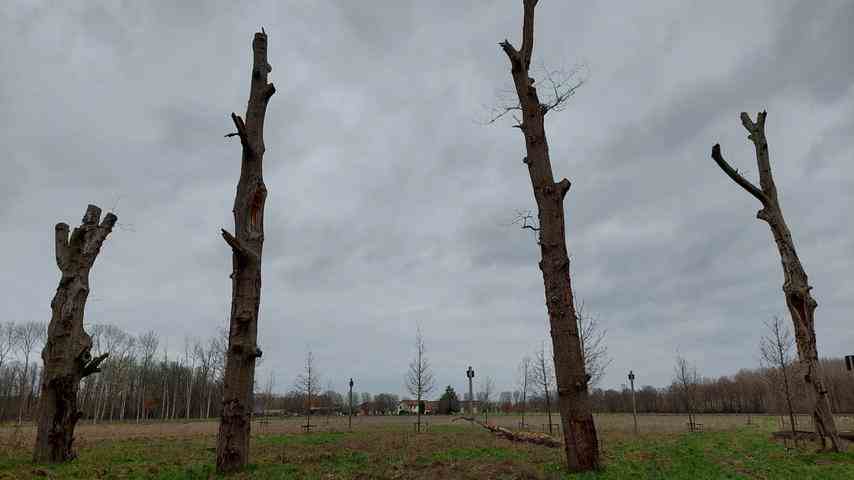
(563, 187)
(109, 220)
(94, 365)
(735, 176)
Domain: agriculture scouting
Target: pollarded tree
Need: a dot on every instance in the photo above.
(580, 441)
(232, 451)
(67, 352)
(796, 287)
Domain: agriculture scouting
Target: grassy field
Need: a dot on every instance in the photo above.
(386, 447)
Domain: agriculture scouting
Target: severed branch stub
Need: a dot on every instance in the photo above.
(239, 247)
(241, 131)
(67, 352)
(796, 287)
(94, 365)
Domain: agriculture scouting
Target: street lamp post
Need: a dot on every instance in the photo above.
(470, 375)
(350, 413)
(634, 406)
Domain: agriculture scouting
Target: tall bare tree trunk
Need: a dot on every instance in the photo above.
(189, 394)
(796, 287)
(165, 413)
(208, 406)
(174, 403)
(67, 352)
(140, 412)
(580, 441)
(246, 244)
(122, 409)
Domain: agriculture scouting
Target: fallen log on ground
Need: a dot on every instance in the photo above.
(809, 435)
(523, 437)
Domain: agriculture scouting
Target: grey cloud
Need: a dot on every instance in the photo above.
(388, 201)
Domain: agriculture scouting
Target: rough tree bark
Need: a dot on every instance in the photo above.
(246, 244)
(67, 352)
(581, 444)
(796, 287)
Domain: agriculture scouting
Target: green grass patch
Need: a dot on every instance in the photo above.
(743, 454)
(476, 453)
(448, 452)
(322, 438)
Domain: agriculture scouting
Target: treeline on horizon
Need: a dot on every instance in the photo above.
(750, 390)
(141, 382)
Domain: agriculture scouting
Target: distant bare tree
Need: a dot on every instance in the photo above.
(67, 351)
(125, 372)
(28, 336)
(688, 382)
(96, 383)
(308, 385)
(543, 378)
(207, 362)
(268, 391)
(386, 403)
(485, 394)
(7, 344)
(776, 351)
(219, 344)
(419, 377)
(523, 379)
(190, 357)
(796, 287)
(7, 341)
(593, 347)
(147, 343)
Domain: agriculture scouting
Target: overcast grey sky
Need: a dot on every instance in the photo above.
(389, 201)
